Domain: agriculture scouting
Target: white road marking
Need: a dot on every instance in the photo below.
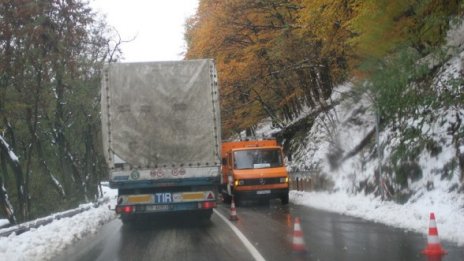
(253, 251)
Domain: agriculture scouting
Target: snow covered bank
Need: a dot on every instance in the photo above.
(437, 190)
(410, 216)
(46, 241)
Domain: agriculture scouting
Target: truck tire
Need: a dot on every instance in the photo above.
(127, 221)
(206, 214)
(284, 199)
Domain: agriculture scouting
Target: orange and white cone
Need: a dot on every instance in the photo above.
(298, 244)
(233, 211)
(433, 242)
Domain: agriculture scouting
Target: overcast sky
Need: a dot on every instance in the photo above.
(157, 25)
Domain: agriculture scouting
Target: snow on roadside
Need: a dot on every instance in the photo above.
(345, 198)
(410, 216)
(4, 222)
(46, 241)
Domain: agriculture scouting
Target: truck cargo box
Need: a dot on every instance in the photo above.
(161, 123)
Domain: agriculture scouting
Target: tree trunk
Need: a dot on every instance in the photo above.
(5, 204)
(46, 170)
(12, 160)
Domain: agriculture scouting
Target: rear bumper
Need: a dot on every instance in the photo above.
(179, 207)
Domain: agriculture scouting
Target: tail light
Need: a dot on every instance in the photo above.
(207, 204)
(124, 209)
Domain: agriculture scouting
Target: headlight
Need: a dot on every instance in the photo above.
(284, 180)
(239, 182)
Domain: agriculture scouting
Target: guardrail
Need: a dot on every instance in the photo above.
(24, 227)
(301, 181)
(310, 181)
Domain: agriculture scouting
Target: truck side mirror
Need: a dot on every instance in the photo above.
(224, 161)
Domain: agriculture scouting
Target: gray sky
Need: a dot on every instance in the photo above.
(157, 25)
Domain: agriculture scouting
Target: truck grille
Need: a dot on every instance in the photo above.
(261, 181)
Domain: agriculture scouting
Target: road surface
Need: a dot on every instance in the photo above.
(262, 232)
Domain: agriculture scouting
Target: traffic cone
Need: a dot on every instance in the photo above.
(433, 242)
(233, 211)
(298, 241)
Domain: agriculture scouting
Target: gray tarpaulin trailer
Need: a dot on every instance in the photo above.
(161, 135)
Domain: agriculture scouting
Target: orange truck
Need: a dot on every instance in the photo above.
(253, 169)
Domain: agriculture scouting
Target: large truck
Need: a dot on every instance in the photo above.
(253, 169)
(161, 136)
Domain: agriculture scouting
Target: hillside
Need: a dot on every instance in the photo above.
(420, 173)
(341, 143)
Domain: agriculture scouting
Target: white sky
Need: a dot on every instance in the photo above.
(158, 26)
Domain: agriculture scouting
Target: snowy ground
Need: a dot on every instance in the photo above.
(347, 198)
(411, 216)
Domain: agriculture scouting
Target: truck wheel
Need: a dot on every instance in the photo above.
(206, 214)
(127, 221)
(284, 199)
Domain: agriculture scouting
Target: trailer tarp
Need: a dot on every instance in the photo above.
(161, 113)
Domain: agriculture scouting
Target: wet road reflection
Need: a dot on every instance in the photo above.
(268, 227)
(330, 236)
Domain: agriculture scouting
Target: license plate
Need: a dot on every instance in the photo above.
(262, 192)
(157, 207)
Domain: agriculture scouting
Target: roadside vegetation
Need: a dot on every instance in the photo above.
(51, 54)
(277, 59)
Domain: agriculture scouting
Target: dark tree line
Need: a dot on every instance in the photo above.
(51, 53)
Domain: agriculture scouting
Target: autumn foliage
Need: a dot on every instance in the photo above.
(276, 57)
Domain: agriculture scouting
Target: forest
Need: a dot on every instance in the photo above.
(274, 58)
(51, 55)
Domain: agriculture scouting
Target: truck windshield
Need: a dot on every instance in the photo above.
(257, 159)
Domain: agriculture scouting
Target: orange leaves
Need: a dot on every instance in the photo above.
(268, 55)
(276, 56)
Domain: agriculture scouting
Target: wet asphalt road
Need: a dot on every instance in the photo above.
(268, 227)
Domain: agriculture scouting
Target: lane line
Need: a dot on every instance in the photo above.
(253, 251)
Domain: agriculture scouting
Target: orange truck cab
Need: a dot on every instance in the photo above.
(253, 169)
